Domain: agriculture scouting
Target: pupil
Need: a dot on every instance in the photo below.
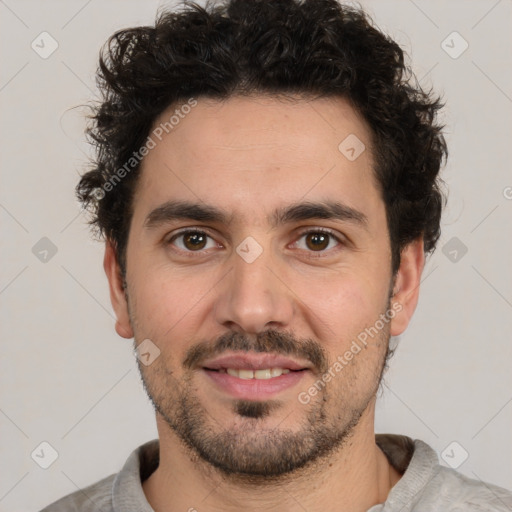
(194, 239)
(321, 238)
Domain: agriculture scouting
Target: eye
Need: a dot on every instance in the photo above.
(318, 240)
(192, 240)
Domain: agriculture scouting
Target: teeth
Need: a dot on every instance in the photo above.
(245, 374)
(267, 373)
(263, 374)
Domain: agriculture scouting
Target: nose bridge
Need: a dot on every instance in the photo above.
(253, 297)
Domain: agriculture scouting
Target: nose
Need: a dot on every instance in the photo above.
(254, 296)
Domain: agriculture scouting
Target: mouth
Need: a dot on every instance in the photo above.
(254, 377)
(263, 374)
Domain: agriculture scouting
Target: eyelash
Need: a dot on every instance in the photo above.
(318, 254)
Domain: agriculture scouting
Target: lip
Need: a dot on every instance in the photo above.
(253, 389)
(254, 362)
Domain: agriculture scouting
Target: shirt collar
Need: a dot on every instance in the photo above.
(414, 459)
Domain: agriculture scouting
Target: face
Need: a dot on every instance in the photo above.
(259, 266)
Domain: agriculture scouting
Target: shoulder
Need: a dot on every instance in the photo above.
(456, 492)
(444, 488)
(118, 490)
(95, 497)
(426, 486)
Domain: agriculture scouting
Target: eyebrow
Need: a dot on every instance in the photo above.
(200, 212)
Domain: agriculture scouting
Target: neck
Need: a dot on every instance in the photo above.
(354, 478)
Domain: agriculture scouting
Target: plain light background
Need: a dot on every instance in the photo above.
(69, 380)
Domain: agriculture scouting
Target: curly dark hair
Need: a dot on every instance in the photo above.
(312, 48)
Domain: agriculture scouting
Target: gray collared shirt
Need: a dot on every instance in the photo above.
(425, 485)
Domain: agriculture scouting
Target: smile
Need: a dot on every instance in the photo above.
(264, 374)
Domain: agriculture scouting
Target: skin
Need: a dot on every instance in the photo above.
(248, 156)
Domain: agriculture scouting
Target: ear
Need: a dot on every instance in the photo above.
(407, 286)
(117, 293)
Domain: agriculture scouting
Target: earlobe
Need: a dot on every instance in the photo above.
(117, 293)
(407, 286)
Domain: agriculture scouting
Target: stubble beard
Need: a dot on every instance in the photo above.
(249, 451)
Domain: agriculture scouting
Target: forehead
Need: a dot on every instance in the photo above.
(250, 154)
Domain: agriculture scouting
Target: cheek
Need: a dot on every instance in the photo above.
(347, 313)
(341, 306)
(168, 302)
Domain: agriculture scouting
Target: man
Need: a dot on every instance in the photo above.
(267, 184)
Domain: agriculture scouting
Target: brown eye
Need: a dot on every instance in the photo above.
(191, 241)
(194, 240)
(317, 241)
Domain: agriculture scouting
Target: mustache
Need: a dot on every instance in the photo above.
(270, 341)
